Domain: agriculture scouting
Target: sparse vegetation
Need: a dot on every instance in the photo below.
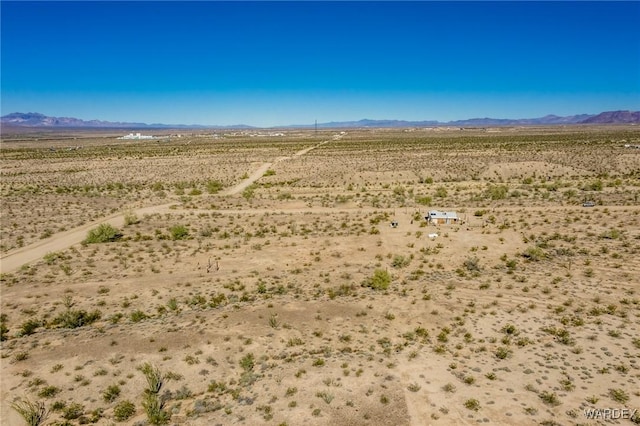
(299, 298)
(104, 233)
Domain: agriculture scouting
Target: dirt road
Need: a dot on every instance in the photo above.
(14, 259)
(248, 181)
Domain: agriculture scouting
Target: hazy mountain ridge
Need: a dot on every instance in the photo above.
(615, 117)
(33, 119)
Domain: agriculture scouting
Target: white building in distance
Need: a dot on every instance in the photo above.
(137, 136)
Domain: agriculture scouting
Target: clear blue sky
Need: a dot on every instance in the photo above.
(276, 63)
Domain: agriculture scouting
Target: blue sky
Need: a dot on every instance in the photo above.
(277, 63)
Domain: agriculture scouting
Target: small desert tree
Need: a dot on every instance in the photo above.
(152, 403)
(34, 413)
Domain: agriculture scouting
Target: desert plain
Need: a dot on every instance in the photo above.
(249, 277)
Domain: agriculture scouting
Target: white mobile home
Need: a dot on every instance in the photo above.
(437, 217)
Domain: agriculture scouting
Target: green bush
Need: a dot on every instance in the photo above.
(549, 398)
(4, 330)
(137, 316)
(72, 318)
(214, 186)
(49, 391)
(534, 254)
(379, 281)
(400, 261)
(73, 411)
(249, 192)
(619, 395)
(472, 404)
(111, 393)
(595, 185)
(29, 327)
(497, 192)
(502, 352)
(247, 362)
(179, 232)
(441, 192)
(130, 218)
(104, 233)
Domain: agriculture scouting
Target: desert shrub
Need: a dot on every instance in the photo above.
(102, 234)
(111, 393)
(534, 254)
(172, 304)
(379, 281)
(4, 330)
(472, 264)
(596, 185)
(138, 315)
(424, 200)
(123, 410)
(249, 192)
(497, 192)
(73, 411)
(51, 257)
(247, 362)
(400, 261)
(502, 352)
(73, 318)
(214, 186)
(612, 234)
(179, 232)
(49, 391)
(619, 395)
(33, 413)
(472, 404)
(29, 327)
(130, 218)
(441, 192)
(510, 329)
(341, 290)
(549, 398)
(183, 393)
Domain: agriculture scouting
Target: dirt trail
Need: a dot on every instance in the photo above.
(263, 169)
(14, 259)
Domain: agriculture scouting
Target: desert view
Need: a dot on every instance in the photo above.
(258, 277)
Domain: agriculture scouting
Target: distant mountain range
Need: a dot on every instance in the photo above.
(36, 120)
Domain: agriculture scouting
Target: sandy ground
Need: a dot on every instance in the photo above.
(262, 313)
